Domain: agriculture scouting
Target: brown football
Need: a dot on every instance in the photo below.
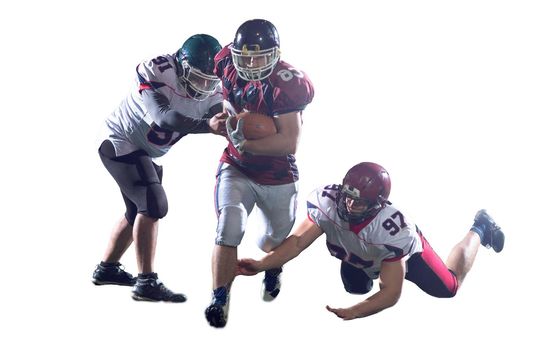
(256, 125)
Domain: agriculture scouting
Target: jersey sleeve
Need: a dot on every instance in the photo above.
(293, 90)
(403, 242)
(149, 77)
(321, 205)
(221, 60)
(313, 208)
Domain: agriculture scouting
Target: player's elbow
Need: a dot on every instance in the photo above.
(392, 298)
(291, 146)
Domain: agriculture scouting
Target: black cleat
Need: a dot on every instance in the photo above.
(216, 313)
(271, 284)
(152, 289)
(112, 274)
(492, 235)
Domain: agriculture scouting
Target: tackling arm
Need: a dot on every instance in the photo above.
(158, 106)
(302, 237)
(392, 275)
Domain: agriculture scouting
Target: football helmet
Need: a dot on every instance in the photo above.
(196, 61)
(256, 49)
(364, 192)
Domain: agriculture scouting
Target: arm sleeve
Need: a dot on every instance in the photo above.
(158, 106)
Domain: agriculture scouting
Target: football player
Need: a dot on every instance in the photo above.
(174, 95)
(258, 172)
(374, 239)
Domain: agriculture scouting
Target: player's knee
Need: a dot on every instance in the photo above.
(276, 233)
(267, 243)
(231, 225)
(448, 292)
(359, 288)
(130, 215)
(355, 280)
(157, 202)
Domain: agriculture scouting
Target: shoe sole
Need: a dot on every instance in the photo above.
(498, 237)
(104, 283)
(268, 296)
(215, 317)
(141, 298)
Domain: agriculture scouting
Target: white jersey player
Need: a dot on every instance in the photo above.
(374, 239)
(175, 95)
(133, 126)
(386, 236)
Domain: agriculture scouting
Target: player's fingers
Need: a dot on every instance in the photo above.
(337, 312)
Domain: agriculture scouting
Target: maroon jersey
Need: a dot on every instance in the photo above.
(285, 90)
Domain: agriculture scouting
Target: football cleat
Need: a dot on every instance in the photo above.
(152, 289)
(271, 284)
(216, 313)
(112, 274)
(490, 233)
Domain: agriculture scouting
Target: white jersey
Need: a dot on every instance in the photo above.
(130, 127)
(389, 235)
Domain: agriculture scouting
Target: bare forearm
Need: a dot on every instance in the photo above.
(376, 303)
(275, 145)
(289, 249)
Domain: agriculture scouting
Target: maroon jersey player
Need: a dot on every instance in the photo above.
(256, 172)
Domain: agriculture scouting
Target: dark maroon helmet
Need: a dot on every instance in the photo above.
(367, 182)
(256, 49)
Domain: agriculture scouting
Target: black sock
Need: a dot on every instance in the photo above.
(149, 275)
(109, 264)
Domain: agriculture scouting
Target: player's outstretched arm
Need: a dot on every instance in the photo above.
(301, 238)
(392, 275)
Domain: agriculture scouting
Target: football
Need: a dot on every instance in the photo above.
(256, 125)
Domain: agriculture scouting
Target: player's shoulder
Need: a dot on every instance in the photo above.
(293, 90)
(223, 53)
(285, 74)
(394, 216)
(158, 66)
(323, 196)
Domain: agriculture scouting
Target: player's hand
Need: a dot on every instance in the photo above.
(248, 267)
(344, 313)
(217, 124)
(235, 135)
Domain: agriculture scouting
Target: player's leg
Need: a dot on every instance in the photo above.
(277, 205)
(152, 205)
(121, 237)
(355, 280)
(484, 232)
(430, 274)
(140, 182)
(109, 270)
(234, 201)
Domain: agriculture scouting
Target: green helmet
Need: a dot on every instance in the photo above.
(196, 58)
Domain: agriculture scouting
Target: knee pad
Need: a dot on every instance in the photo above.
(157, 202)
(231, 225)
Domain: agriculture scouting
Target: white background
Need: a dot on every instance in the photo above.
(442, 94)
